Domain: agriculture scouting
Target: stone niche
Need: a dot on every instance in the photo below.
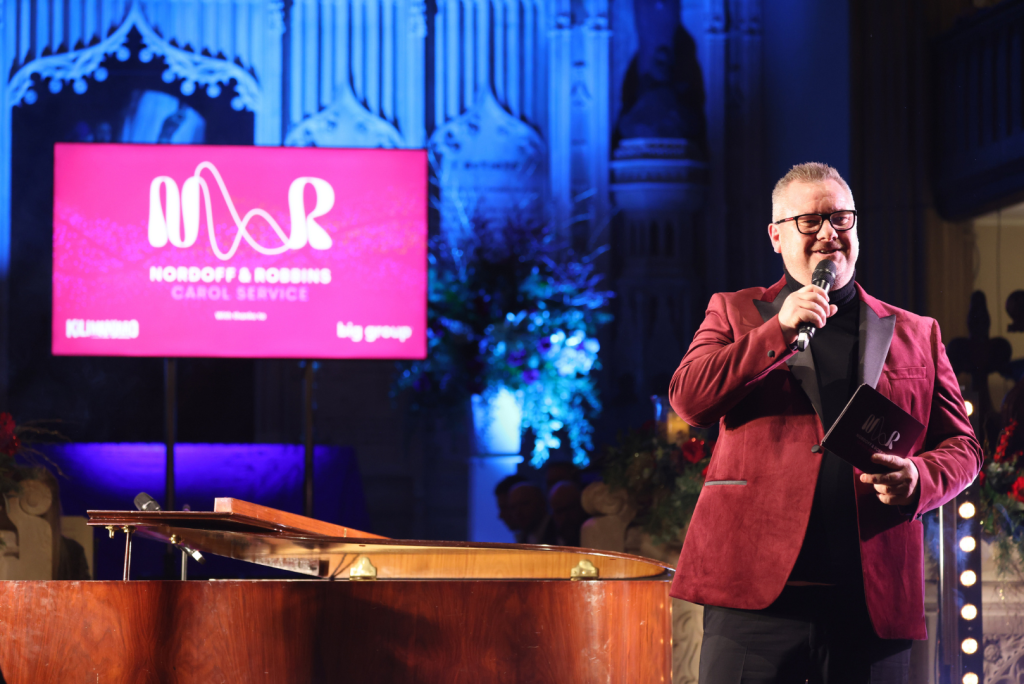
(490, 167)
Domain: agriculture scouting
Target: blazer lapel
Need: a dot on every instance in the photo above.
(801, 364)
(875, 337)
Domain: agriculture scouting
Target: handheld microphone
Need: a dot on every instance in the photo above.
(824, 276)
(144, 502)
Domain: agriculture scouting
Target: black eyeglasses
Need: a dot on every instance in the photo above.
(809, 224)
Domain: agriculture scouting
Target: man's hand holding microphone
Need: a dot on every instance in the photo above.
(807, 309)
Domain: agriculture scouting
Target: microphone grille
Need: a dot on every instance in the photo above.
(144, 502)
(825, 270)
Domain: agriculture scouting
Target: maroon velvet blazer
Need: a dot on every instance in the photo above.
(752, 514)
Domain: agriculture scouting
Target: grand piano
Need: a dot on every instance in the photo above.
(362, 608)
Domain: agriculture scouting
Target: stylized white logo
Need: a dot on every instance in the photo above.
(176, 218)
(874, 427)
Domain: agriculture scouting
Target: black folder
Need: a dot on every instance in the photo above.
(871, 424)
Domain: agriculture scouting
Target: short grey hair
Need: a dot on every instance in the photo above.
(809, 172)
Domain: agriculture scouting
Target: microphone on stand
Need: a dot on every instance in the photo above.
(144, 502)
(824, 276)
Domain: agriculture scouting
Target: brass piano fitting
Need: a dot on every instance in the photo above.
(584, 570)
(362, 569)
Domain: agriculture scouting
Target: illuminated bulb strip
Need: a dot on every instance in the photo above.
(967, 510)
(967, 544)
(969, 646)
(969, 407)
(968, 578)
(969, 611)
(970, 678)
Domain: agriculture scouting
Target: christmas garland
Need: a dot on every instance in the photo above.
(662, 478)
(10, 444)
(19, 460)
(1002, 500)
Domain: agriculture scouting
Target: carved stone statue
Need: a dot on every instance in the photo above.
(663, 93)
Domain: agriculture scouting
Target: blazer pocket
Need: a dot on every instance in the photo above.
(905, 387)
(712, 483)
(906, 373)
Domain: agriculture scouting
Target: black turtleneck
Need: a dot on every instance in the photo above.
(831, 552)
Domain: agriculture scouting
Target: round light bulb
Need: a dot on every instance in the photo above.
(967, 544)
(967, 510)
(970, 678)
(968, 578)
(969, 611)
(969, 646)
(970, 408)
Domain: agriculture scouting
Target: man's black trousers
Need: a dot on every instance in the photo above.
(815, 634)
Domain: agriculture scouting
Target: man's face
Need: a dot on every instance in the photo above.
(801, 253)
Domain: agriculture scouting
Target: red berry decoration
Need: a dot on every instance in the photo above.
(1004, 441)
(9, 443)
(693, 450)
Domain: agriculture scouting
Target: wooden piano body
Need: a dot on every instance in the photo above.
(378, 610)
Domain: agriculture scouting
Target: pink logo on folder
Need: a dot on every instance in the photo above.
(257, 252)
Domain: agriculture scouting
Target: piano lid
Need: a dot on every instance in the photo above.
(246, 531)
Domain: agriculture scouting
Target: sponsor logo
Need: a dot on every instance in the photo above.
(372, 333)
(101, 330)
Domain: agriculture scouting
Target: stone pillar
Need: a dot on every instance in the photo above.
(560, 120)
(8, 18)
(591, 146)
(659, 187)
(268, 119)
(714, 62)
(659, 184)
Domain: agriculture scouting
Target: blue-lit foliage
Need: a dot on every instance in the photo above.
(515, 308)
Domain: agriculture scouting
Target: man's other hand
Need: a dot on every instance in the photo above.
(809, 304)
(898, 488)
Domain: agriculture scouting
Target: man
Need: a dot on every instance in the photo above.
(567, 514)
(808, 569)
(501, 493)
(528, 511)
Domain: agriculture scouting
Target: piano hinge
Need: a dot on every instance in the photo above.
(585, 570)
(363, 569)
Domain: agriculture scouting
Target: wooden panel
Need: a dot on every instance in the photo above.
(287, 520)
(232, 514)
(314, 631)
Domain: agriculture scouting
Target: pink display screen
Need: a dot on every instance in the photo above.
(258, 252)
